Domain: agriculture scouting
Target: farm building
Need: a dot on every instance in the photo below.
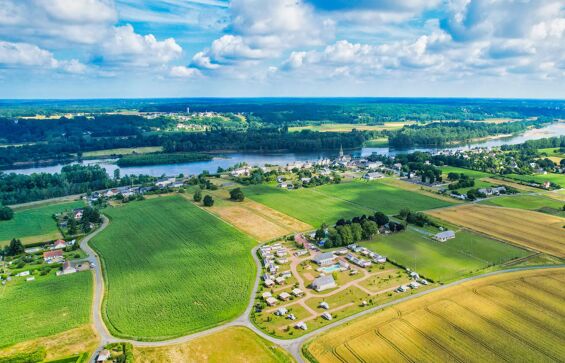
(324, 259)
(444, 236)
(53, 256)
(323, 283)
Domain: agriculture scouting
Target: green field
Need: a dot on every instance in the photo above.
(529, 202)
(122, 151)
(47, 306)
(34, 224)
(472, 173)
(172, 269)
(329, 203)
(465, 254)
(540, 178)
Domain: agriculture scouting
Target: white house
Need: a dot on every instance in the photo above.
(373, 176)
(271, 301)
(284, 296)
(327, 316)
(324, 283)
(297, 292)
(444, 236)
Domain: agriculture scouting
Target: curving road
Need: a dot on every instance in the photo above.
(293, 346)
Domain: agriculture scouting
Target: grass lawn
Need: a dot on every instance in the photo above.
(540, 178)
(472, 173)
(237, 344)
(122, 151)
(172, 269)
(47, 306)
(529, 202)
(34, 224)
(329, 203)
(446, 261)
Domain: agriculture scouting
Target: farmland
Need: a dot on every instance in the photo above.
(171, 269)
(512, 317)
(529, 202)
(255, 219)
(47, 306)
(238, 344)
(534, 230)
(428, 191)
(444, 261)
(67, 343)
(329, 203)
(34, 224)
(333, 127)
(558, 179)
(122, 151)
(472, 173)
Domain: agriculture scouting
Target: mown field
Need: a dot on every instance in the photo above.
(538, 231)
(172, 269)
(329, 203)
(234, 344)
(333, 127)
(58, 346)
(529, 202)
(444, 261)
(558, 179)
(47, 306)
(515, 317)
(122, 151)
(34, 224)
(255, 219)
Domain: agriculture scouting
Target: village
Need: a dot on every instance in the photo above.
(303, 288)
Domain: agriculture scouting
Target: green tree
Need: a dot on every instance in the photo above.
(208, 201)
(237, 195)
(370, 229)
(321, 232)
(14, 248)
(6, 213)
(356, 232)
(117, 174)
(346, 234)
(381, 219)
(197, 195)
(72, 226)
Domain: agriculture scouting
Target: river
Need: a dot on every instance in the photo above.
(259, 159)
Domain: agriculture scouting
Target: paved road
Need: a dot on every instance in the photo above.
(293, 346)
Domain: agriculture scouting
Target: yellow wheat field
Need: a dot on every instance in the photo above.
(515, 317)
(538, 231)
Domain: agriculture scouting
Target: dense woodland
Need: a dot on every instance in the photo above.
(162, 158)
(73, 179)
(441, 134)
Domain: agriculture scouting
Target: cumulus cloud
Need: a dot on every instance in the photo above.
(262, 29)
(31, 56)
(126, 46)
(183, 72)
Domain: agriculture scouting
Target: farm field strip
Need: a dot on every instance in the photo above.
(518, 186)
(418, 189)
(329, 203)
(528, 202)
(34, 224)
(171, 269)
(47, 306)
(481, 320)
(534, 230)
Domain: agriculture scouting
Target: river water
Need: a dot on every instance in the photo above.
(259, 159)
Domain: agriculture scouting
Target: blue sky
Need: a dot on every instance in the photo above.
(245, 48)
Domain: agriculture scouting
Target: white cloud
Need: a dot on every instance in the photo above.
(126, 46)
(31, 56)
(264, 30)
(183, 72)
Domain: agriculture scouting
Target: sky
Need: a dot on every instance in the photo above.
(290, 48)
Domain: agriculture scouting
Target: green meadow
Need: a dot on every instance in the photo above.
(49, 305)
(529, 202)
(329, 203)
(540, 178)
(172, 269)
(34, 224)
(472, 173)
(444, 261)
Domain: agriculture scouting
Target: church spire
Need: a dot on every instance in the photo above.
(340, 150)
